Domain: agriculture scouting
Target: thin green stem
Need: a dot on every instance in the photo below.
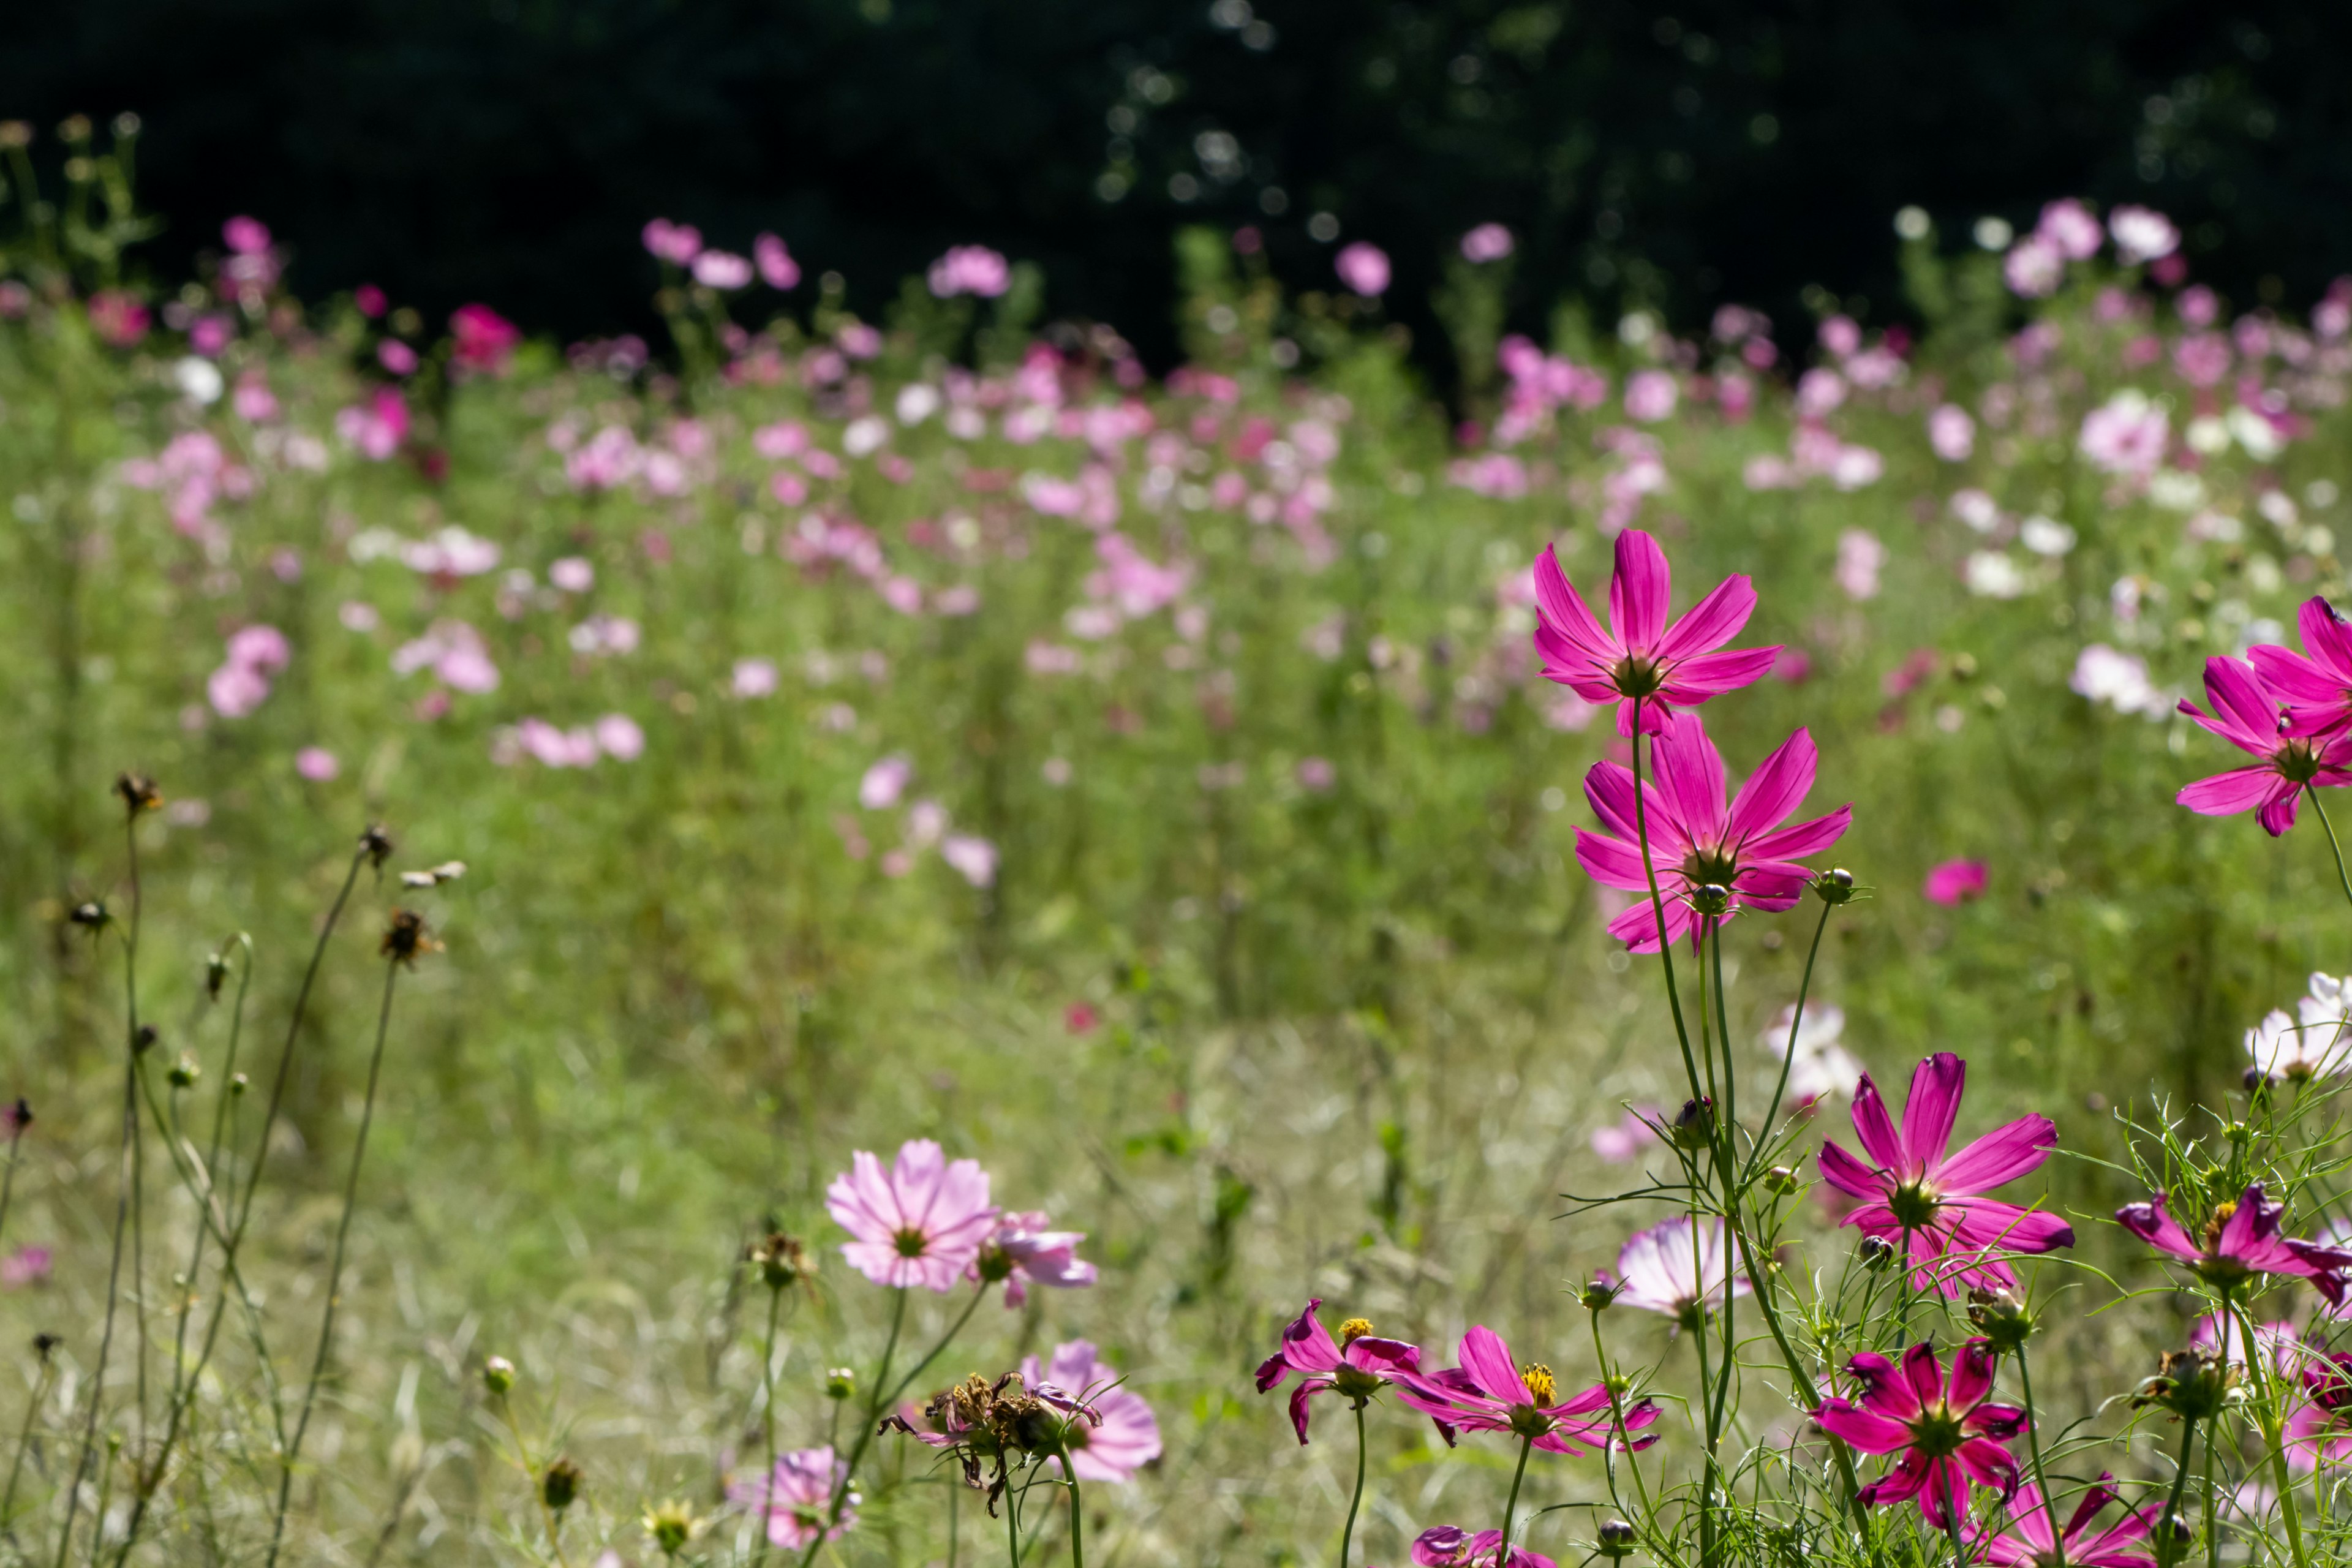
(24, 1441)
(1012, 1524)
(1789, 1056)
(1511, 1505)
(113, 1300)
(2167, 1543)
(2033, 1441)
(334, 1270)
(1347, 1534)
(866, 1428)
(2342, 880)
(2212, 1532)
(768, 1415)
(1078, 1510)
(1658, 905)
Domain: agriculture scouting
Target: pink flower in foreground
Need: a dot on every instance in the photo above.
(777, 267)
(798, 1498)
(1451, 1546)
(2316, 684)
(1021, 1249)
(2027, 1543)
(1364, 268)
(482, 338)
(1125, 1434)
(1955, 882)
(1696, 838)
(1490, 1393)
(2320, 1429)
(1679, 1269)
(971, 857)
(1919, 1196)
(1950, 1437)
(920, 1222)
(1356, 1365)
(1640, 659)
(2239, 1241)
(2246, 714)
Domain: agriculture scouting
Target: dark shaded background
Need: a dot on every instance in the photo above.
(1677, 155)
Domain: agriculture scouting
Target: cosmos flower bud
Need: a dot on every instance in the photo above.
(2239, 1133)
(1835, 887)
(1710, 897)
(1695, 1124)
(560, 1485)
(238, 1083)
(671, 1525)
(138, 791)
(143, 1039)
(1616, 1537)
(840, 1382)
(1782, 1181)
(1875, 1252)
(377, 844)
(184, 1072)
(2000, 1317)
(89, 914)
(215, 974)
(1598, 1296)
(498, 1375)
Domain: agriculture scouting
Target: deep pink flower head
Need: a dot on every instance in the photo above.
(920, 1222)
(25, 1266)
(1358, 1366)
(677, 243)
(798, 1499)
(1640, 657)
(1955, 882)
(245, 236)
(2320, 1429)
(970, 269)
(484, 339)
(1490, 1393)
(1451, 1546)
(1021, 1250)
(370, 300)
(1916, 1191)
(1364, 268)
(2240, 1240)
(1697, 838)
(1488, 242)
(1950, 1437)
(118, 318)
(777, 267)
(2026, 1542)
(2316, 684)
(1123, 1437)
(2246, 714)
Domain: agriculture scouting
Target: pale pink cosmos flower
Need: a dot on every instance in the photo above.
(1952, 433)
(619, 737)
(1953, 883)
(2141, 233)
(572, 574)
(1622, 1140)
(2034, 268)
(1490, 1393)
(777, 267)
(922, 1222)
(2219, 1334)
(1918, 1195)
(1859, 557)
(885, 782)
(721, 270)
(2069, 225)
(970, 269)
(1124, 1437)
(1315, 774)
(1363, 267)
(971, 857)
(1640, 662)
(2319, 1430)
(1650, 396)
(678, 243)
(317, 763)
(1949, 1435)
(2246, 713)
(245, 236)
(2127, 435)
(1021, 1250)
(1697, 838)
(1678, 1269)
(2317, 1042)
(24, 1265)
(1488, 242)
(755, 677)
(1820, 1067)
(798, 1499)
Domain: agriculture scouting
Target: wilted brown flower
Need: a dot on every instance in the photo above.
(405, 938)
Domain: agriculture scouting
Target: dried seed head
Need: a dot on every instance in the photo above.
(560, 1485)
(142, 1039)
(405, 938)
(44, 1344)
(138, 791)
(377, 843)
(780, 1258)
(16, 1117)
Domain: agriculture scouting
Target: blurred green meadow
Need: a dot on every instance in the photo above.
(1144, 786)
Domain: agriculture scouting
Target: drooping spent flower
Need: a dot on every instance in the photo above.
(982, 1424)
(920, 1222)
(1918, 1196)
(1124, 1439)
(1357, 1365)
(1021, 1250)
(1451, 1546)
(1641, 660)
(1950, 1437)
(1490, 1393)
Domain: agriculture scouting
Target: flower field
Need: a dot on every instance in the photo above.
(673, 914)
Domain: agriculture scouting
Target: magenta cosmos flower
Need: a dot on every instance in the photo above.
(2239, 1241)
(2027, 1543)
(798, 1499)
(1451, 1546)
(1641, 659)
(2316, 684)
(1950, 1437)
(1490, 1393)
(2320, 1429)
(1696, 838)
(1124, 1437)
(1021, 1251)
(1357, 1364)
(1917, 1192)
(922, 1222)
(2246, 714)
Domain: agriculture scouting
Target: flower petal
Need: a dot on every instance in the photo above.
(2002, 1155)
(1775, 789)
(1690, 781)
(1933, 1105)
(1487, 1359)
(1640, 592)
(1562, 609)
(1865, 1430)
(1873, 1127)
(2226, 794)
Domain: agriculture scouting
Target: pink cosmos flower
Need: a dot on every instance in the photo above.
(1451, 1546)
(1021, 1249)
(721, 270)
(2027, 1542)
(1650, 396)
(922, 1222)
(755, 677)
(1488, 242)
(1678, 1269)
(1625, 1139)
(2239, 1241)
(1955, 882)
(245, 236)
(1696, 838)
(678, 243)
(2246, 714)
(118, 318)
(2142, 234)
(25, 1266)
(798, 1498)
(1950, 1437)
(970, 269)
(1490, 1393)
(317, 763)
(370, 300)
(1952, 433)
(1364, 268)
(619, 737)
(1357, 1365)
(1640, 658)
(971, 857)
(885, 782)
(1860, 555)
(777, 267)
(2069, 225)
(2320, 1429)
(2034, 267)
(1125, 1434)
(2315, 685)
(483, 340)
(1918, 1196)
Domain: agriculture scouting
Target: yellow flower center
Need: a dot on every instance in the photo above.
(1354, 1328)
(1537, 1377)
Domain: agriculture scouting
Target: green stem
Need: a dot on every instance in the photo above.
(768, 1416)
(1012, 1524)
(1348, 1535)
(1658, 905)
(1788, 1057)
(2033, 1441)
(1952, 1511)
(865, 1428)
(1503, 1549)
(16, 1464)
(1079, 1510)
(334, 1269)
(2275, 1433)
(2212, 1532)
(2342, 880)
(113, 1299)
(2167, 1541)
